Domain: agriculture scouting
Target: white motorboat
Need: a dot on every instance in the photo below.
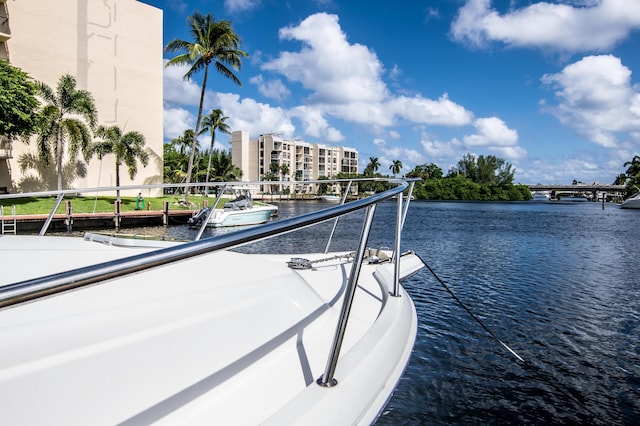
(331, 198)
(632, 202)
(240, 211)
(540, 196)
(102, 330)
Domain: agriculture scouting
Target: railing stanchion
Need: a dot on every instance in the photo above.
(396, 247)
(327, 379)
(203, 226)
(45, 226)
(335, 223)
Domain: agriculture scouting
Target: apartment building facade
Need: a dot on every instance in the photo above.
(114, 50)
(272, 157)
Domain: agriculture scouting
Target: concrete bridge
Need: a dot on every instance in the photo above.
(610, 192)
(576, 188)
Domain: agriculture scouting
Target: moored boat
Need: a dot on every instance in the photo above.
(540, 196)
(632, 202)
(240, 211)
(331, 198)
(104, 331)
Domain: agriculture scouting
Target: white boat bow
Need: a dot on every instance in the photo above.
(138, 335)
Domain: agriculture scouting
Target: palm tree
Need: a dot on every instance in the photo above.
(223, 168)
(215, 120)
(372, 167)
(213, 41)
(395, 167)
(60, 119)
(128, 149)
(182, 143)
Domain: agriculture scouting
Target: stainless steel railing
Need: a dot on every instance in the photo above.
(25, 291)
(20, 292)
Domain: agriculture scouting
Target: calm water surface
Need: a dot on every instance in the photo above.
(558, 283)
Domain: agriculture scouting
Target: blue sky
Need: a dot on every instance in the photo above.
(551, 87)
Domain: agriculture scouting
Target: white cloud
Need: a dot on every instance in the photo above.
(491, 132)
(437, 150)
(334, 70)
(175, 121)
(178, 90)
(254, 117)
(315, 125)
(427, 111)
(595, 97)
(237, 6)
(588, 26)
(273, 89)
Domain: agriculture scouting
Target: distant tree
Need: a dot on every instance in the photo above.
(426, 171)
(284, 169)
(184, 143)
(212, 122)
(213, 42)
(18, 103)
(395, 167)
(128, 149)
(633, 175)
(223, 169)
(489, 170)
(61, 120)
(372, 167)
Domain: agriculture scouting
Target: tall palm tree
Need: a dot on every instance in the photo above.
(215, 120)
(213, 42)
(372, 167)
(61, 120)
(128, 149)
(395, 167)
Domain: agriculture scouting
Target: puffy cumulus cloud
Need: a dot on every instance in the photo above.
(175, 121)
(178, 90)
(237, 6)
(273, 89)
(442, 151)
(491, 132)
(349, 86)
(315, 125)
(587, 26)
(595, 97)
(427, 111)
(254, 117)
(409, 157)
(334, 70)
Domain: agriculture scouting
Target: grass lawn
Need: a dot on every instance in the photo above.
(96, 204)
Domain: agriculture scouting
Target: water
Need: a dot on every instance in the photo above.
(556, 282)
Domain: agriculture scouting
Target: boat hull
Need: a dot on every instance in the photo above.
(156, 347)
(253, 216)
(631, 203)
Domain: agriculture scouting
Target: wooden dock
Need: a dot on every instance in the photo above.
(84, 221)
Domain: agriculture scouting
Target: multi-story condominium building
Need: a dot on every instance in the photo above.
(114, 50)
(271, 157)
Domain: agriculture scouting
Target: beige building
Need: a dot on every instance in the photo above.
(114, 50)
(292, 159)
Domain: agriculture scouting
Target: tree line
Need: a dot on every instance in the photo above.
(482, 178)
